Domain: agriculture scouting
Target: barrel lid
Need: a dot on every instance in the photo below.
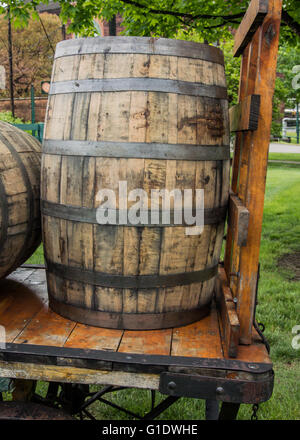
(139, 45)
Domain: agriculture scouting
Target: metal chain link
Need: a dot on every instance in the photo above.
(255, 408)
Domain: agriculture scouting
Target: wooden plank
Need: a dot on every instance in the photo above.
(46, 328)
(20, 275)
(147, 342)
(201, 339)
(238, 222)
(256, 149)
(78, 375)
(243, 92)
(254, 16)
(238, 218)
(18, 305)
(249, 68)
(229, 321)
(244, 116)
(256, 352)
(238, 148)
(94, 338)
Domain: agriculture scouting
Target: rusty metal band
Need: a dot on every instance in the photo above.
(134, 321)
(130, 281)
(30, 196)
(53, 355)
(4, 214)
(212, 216)
(139, 45)
(134, 150)
(139, 85)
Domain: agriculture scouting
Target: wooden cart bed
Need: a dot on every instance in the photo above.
(42, 345)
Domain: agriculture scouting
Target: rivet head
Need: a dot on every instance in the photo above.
(219, 390)
(253, 366)
(171, 386)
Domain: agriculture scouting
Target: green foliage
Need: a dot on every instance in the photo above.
(211, 19)
(232, 70)
(288, 57)
(8, 117)
(285, 93)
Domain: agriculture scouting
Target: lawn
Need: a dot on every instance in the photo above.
(295, 157)
(278, 309)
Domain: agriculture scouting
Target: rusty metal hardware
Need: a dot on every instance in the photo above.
(217, 388)
(101, 359)
(255, 408)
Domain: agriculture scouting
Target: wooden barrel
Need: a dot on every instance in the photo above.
(152, 113)
(20, 220)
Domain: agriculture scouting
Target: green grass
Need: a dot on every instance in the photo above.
(278, 309)
(37, 257)
(295, 157)
(279, 297)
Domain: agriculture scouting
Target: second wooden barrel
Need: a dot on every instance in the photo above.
(140, 114)
(20, 219)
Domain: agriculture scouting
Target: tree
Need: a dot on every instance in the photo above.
(287, 90)
(32, 53)
(212, 19)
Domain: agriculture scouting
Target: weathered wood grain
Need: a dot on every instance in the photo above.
(146, 342)
(250, 165)
(229, 323)
(238, 218)
(20, 228)
(253, 18)
(201, 339)
(78, 375)
(133, 116)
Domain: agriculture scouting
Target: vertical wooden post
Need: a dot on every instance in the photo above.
(257, 148)
(258, 73)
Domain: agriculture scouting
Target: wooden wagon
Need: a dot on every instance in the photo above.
(221, 358)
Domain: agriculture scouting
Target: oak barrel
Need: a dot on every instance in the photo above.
(20, 219)
(152, 113)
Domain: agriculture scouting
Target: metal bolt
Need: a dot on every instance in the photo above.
(220, 390)
(253, 366)
(172, 386)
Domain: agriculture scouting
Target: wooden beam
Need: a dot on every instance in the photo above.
(244, 116)
(238, 219)
(230, 326)
(237, 233)
(251, 187)
(253, 18)
(68, 374)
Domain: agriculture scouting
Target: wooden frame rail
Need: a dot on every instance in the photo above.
(257, 40)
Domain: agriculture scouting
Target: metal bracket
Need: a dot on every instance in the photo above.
(223, 389)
